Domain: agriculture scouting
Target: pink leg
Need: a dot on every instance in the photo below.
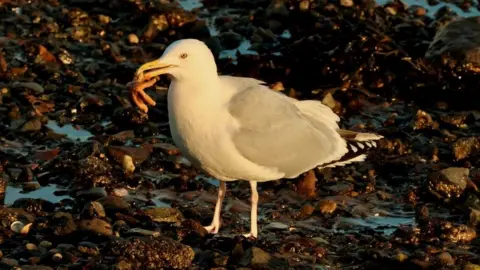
(253, 214)
(215, 226)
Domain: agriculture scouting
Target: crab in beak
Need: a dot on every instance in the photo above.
(145, 77)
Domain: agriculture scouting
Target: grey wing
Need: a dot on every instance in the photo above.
(274, 133)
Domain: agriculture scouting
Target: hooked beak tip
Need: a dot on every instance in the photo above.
(152, 69)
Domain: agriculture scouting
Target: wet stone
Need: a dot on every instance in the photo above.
(96, 226)
(327, 206)
(458, 233)
(448, 183)
(63, 223)
(10, 215)
(152, 253)
(164, 214)
(94, 209)
(190, 231)
(458, 40)
(140, 231)
(465, 147)
(114, 203)
(446, 259)
(7, 262)
(88, 248)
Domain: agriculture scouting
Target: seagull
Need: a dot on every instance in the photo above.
(237, 128)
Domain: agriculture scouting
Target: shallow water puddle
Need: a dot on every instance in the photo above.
(384, 224)
(70, 131)
(46, 193)
(190, 4)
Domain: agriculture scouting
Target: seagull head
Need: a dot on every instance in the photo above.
(183, 59)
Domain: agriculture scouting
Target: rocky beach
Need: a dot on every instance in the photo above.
(89, 181)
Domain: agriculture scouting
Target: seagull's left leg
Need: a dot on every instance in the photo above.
(215, 226)
(253, 214)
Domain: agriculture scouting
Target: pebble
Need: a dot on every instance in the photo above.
(46, 244)
(306, 185)
(88, 248)
(304, 5)
(57, 257)
(133, 39)
(448, 183)
(260, 258)
(96, 226)
(127, 164)
(140, 231)
(31, 246)
(346, 3)
(164, 214)
(276, 226)
(471, 266)
(306, 211)
(9, 262)
(327, 206)
(446, 259)
(30, 186)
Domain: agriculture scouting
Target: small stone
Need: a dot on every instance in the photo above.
(448, 183)
(145, 252)
(420, 11)
(9, 262)
(165, 214)
(445, 258)
(127, 164)
(57, 257)
(88, 248)
(276, 226)
(304, 5)
(30, 186)
(260, 258)
(458, 234)
(31, 246)
(306, 185)
(114, 203)
(278, 86)
(94, 209)
(465, 147)
(391, 10)
(277, 8)
(327, 206)
(400, 257)
(346, 3)
(46, 244)
(104, 19)
(140, 231)
(306, 211)
(32, 125)
(133, 39)
(96, 226)
(424, 120)
(474, 217)
(471, 266)
(123, 265)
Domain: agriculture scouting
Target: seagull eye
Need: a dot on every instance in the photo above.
(183, 55)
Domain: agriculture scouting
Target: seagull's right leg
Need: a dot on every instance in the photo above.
(215, 226)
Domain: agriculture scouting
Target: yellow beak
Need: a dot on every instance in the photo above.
(150, 70)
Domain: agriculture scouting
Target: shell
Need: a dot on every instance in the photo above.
(17, 226)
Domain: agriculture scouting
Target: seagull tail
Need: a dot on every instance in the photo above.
(358, 145)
